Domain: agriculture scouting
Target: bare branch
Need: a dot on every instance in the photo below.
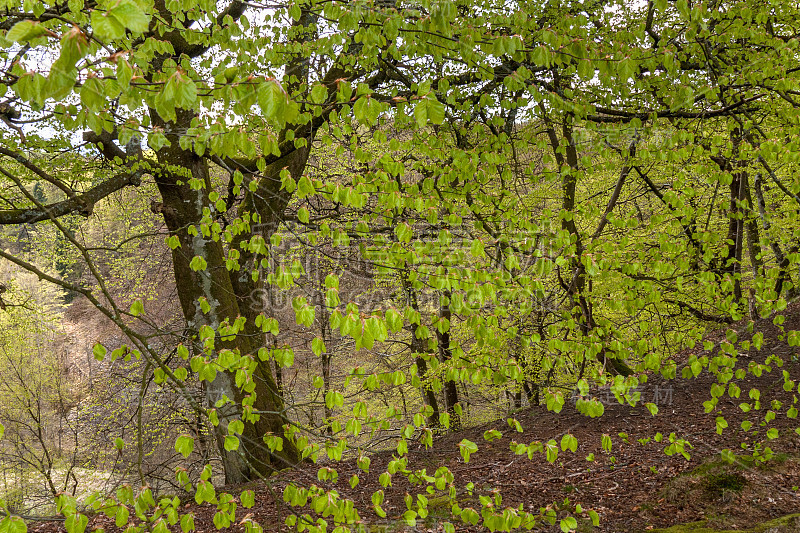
(617, 116)
(25, 162)
(623, 175)
(105, 143)
(82, 204)
(698, 313)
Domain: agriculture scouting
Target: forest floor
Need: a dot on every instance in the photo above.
(634, 487)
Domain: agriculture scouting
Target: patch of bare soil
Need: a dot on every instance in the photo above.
(634, 487)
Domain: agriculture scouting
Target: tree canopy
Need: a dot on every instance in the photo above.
(444, 199)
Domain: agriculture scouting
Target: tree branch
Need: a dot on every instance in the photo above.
(22, 160)
(615, 115)
(623, 175)
(83, 203)
(698, 313)
(105, 143)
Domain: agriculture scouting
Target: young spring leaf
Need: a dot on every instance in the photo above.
(184, 445)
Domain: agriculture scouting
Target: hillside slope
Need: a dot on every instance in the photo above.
(633, 487)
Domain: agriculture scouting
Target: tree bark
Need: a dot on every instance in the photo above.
(568, 162)
(445, 355)
(753, 239)
(417, 349)
(229, 295)
(780, 257)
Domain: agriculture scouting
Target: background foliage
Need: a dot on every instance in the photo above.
(307, 231)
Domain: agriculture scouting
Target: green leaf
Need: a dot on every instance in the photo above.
(606, 442)
(273, 101)
(106, 26)
(470, 516)
(74, 46)
(99, 351)
(93, 94)
(187, 523)
(728, 456)
(157, 140)
(467, 448)
(492, 434)
(184, 445)
(435, 109)
(366, 110)
(32, 87)
(76, 523)
(61, 80)
(137, 308)
(13, 524)
(198, 263)
(551, 450)
(541, 56)
(318, 346)
(305, 187)
(303, 215)
(248, 498)
(421, 114)
(568, 524)
(319, 94)
(477, 248)
(394, 320)
(122, 516)
(231, 443)
(403, 232)
(25, 31)
(331, 281)
(555, 402)
(130, 15)
(569, 442)
(182, 90)
(111, 25)
(585, 69)
(626, 69)
(236, 427)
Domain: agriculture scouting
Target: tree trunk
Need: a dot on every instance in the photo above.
(753, 239)
(417, 349)
(568, 161)
(780, 257)
(327, 339)
(738, 215)
(229, 295)
(445, 354)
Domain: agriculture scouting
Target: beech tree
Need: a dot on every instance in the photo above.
(619, 174)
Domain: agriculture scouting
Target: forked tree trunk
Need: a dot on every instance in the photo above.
(230, 295)
(565, 152)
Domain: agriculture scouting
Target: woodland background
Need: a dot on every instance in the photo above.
(248, 250)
